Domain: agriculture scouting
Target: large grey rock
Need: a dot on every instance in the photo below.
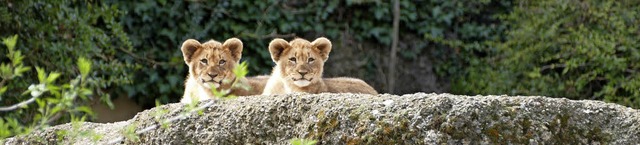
(365, 119)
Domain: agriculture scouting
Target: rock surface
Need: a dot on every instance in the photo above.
(365, 119)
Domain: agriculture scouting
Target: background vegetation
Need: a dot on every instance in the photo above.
(359, 30)
(566, 48)
(65, 55)
(557, 48)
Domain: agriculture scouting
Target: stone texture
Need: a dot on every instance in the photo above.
(365, 119)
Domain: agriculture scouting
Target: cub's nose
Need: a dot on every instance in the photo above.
(212, 75)
(303, 72)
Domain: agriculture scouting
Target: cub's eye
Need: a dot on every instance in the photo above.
(311, 60)
(222, 62)
(293, 59)
(203, 61)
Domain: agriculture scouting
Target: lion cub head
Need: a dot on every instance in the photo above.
(211, 63)
(300, 62)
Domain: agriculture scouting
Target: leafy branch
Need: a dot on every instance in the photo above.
(53, 100)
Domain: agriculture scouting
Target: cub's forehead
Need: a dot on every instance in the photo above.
(211, 44)
(300, 44)
(211, 49)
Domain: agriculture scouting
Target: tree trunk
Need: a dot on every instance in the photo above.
(394, 47)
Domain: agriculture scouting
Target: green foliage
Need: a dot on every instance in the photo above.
(15, 68)
(129, 132)
(157, 28)
(77, 132)
(297, 141)
(55, 33)
(159, 113)
(84, 66)
(459, 35)
(80, 42)
(565, 48)
(54, 102)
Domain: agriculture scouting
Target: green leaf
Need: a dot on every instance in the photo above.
(2, 90)
(96, 137)
(4, 129)
(297, 141)
(16, 58)
(56, 109)
(158, 103)
(41, 103)
(84, 66)
(85, 109)
(5, 71)
(11, 42)
(52, 77)
(85, 92)
(52, 88)
(241, 70)
(535, 73)
(41, 74)
(565, 70)
(107, 99)
(165, 125)
(219, 94)
(129, 132)
(19, 70)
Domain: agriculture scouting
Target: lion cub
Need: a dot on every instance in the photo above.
(211, 65)
(299, 66)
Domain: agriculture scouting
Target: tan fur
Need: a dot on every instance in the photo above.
(299, 68)
(211, 65)
(348, 85)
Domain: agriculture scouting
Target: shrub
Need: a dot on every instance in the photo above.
(54, 102)
(52, 36)
(565, 48)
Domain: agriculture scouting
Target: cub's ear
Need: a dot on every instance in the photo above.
(234, 45)
(323, 45)
(276, 47)
(189, 47)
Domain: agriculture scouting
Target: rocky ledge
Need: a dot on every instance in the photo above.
(366, 119)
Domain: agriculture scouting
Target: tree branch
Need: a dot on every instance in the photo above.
(630, 71)
(153, 62)
(553, 66)
(394, 47)
(16, 106)
(275, 35)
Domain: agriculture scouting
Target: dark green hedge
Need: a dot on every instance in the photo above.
(157, 28)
